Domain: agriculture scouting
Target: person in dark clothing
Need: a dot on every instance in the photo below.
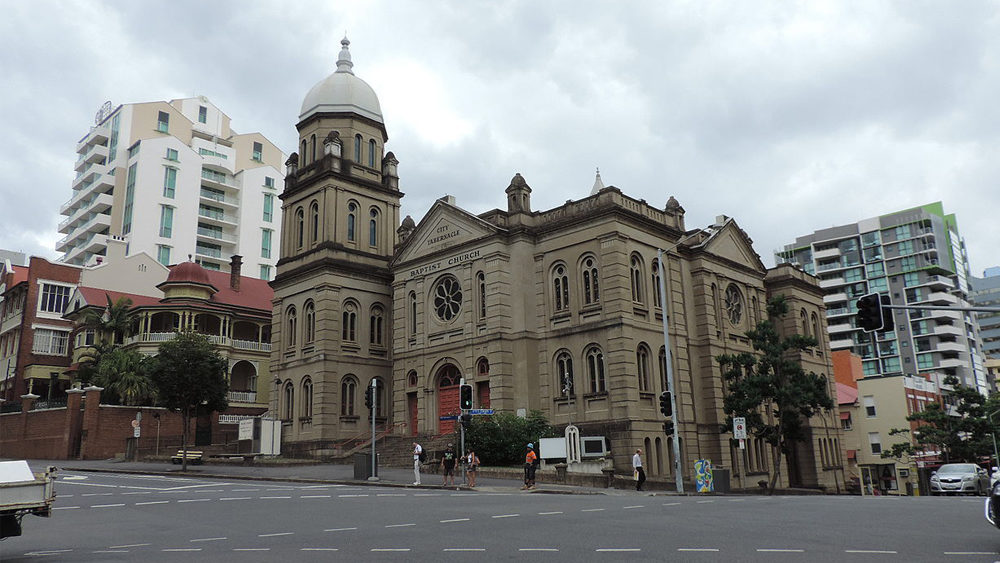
(448, 460)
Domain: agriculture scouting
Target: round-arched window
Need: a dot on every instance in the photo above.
(447, 298)
(734, 304)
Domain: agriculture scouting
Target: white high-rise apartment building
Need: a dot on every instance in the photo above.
(174, 180)
(916, 257)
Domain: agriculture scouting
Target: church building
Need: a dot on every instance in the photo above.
(553, 310)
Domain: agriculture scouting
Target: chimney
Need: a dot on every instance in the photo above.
(234, 272)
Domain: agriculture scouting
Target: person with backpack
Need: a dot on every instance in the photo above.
(530, 464)
(448, 460)
(418, 457)
(472, 462)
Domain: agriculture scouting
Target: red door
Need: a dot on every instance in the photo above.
(411, 403)
(448, 380)
(483, 395)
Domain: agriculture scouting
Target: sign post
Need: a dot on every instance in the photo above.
(374, 475)
(740, 433)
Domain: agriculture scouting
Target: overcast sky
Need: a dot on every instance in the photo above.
(790, 117)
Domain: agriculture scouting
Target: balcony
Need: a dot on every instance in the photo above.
(99, 204)
(838, 311)
(841, 343)
(827, 253)
(98, 134)
(952, 330)
(833, 282)
(218, 199)
(216, 180)
(242, 396)
(212, 235)
(839, 328)
(834, 298)
(224, 219)
(941, 298)
(939, 281)
(950, 347)
(952, 363)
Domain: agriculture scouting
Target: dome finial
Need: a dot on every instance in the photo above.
(598, 183)
(344, 63)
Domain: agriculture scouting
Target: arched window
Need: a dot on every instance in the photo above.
(312, 148)
(560, 288)
(348, 393)
(564, 374)
(310, 317)
(357, 149)
(300, 227)
(350, 325)
(371, 153)
(663, 369)
(754, 310)
(642, 367)
(637, 278)
(591, 289)
(411, 378)
(804, 322)
(304, 152)
(307, 398)
(413, 313)
(817, 330)
(481, 286)
(375, 326)
(288, 401)
(595, 370)
(483, 368)
(373, 227)
(352, 218)
(314, 222)
(734, 305)
(291, 326)
(656, 284)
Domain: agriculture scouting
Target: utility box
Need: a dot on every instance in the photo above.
(721, 478)
(262, 434)
(363, 466)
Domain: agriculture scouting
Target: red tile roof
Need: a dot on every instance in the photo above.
(253, 294)
(20, 274)
(97, 297)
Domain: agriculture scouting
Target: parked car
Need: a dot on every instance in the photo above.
(960, 478)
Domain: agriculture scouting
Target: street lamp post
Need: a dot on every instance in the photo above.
(993, 433)
(678, 478)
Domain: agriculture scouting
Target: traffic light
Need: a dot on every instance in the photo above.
(870, 312)
(466, 419)
(465, 396)
(668, 428)
(665, 407)
(369, 397)
(887, 321)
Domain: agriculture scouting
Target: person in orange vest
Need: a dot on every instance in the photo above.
(530, 463)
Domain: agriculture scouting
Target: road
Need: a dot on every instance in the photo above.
(119, 517)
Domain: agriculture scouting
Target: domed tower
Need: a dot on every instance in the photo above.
(332, 292)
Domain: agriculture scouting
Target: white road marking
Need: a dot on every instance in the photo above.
(705, 501)
(251, 549)
(351, 496)
(194, 500)
(271, 498)
(455, 520)
(697, 549)
(281, 489)
(538, 549)
(108, 505)
(876, 551)
(65, 507)
(549, 513)
(111, 551)
(399, 525)
(274, 535)
(384, 549)
(464, 549)
(316, 496)
(65, 496)
(319, 549)
(129, 545)
(96, 494)
(235, 498)
(131, 493)
(427, 494)
(72, 478)
(209, 539)
(243, 490)
(671, 504)
(737, 499)
(781, 550)
(635, 506)
(970, 553)
(505, 515)
(617, 549)
(391, 495)
(49, 552)
(152, 502)
(592, 510)
(339, 529)
(182, 549)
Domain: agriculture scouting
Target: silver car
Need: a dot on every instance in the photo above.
(960, 478)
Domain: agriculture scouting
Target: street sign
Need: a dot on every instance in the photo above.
(135, 432)
(452, 417)
(739, 428)
(135, 424)
(245, 430)
(480, 411)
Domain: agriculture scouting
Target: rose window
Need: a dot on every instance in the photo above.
(447, 298)
(734, 304)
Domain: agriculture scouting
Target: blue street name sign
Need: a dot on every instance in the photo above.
(452, 417)
(480, 411)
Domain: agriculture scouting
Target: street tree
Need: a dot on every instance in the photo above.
(770, 389)
(109, 326)
(501, 438)
(190, 378)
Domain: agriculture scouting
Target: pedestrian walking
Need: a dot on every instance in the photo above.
(640, 475)
(530, 464)
(472, 462)
(448, 460)
(418, 453)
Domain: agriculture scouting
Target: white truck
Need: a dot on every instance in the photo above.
(23, 492)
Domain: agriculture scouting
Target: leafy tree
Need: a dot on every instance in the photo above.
(963, 436)
(770, 390)
(190, 378)
(120, 373)
(109, 326)
(501, 438)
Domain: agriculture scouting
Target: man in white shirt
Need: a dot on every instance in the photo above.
(416, 463)
(637, 469)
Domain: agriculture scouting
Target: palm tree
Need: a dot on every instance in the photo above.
(119, 372)
(113, 320)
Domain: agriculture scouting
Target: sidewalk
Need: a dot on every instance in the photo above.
(319, 473)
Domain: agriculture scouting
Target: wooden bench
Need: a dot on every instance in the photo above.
(193, 456)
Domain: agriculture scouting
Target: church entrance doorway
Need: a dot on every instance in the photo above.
(411, 407)
(448, 380)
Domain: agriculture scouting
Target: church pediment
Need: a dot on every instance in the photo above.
(445, 226)
(731, 242)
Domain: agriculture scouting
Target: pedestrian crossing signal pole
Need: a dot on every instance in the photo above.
(672, 396)
(372, 400)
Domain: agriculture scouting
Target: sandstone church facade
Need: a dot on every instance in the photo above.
(554, 310)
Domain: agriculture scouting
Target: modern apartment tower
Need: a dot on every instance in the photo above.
(916, 257)
(986, 293)
(174, 180)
